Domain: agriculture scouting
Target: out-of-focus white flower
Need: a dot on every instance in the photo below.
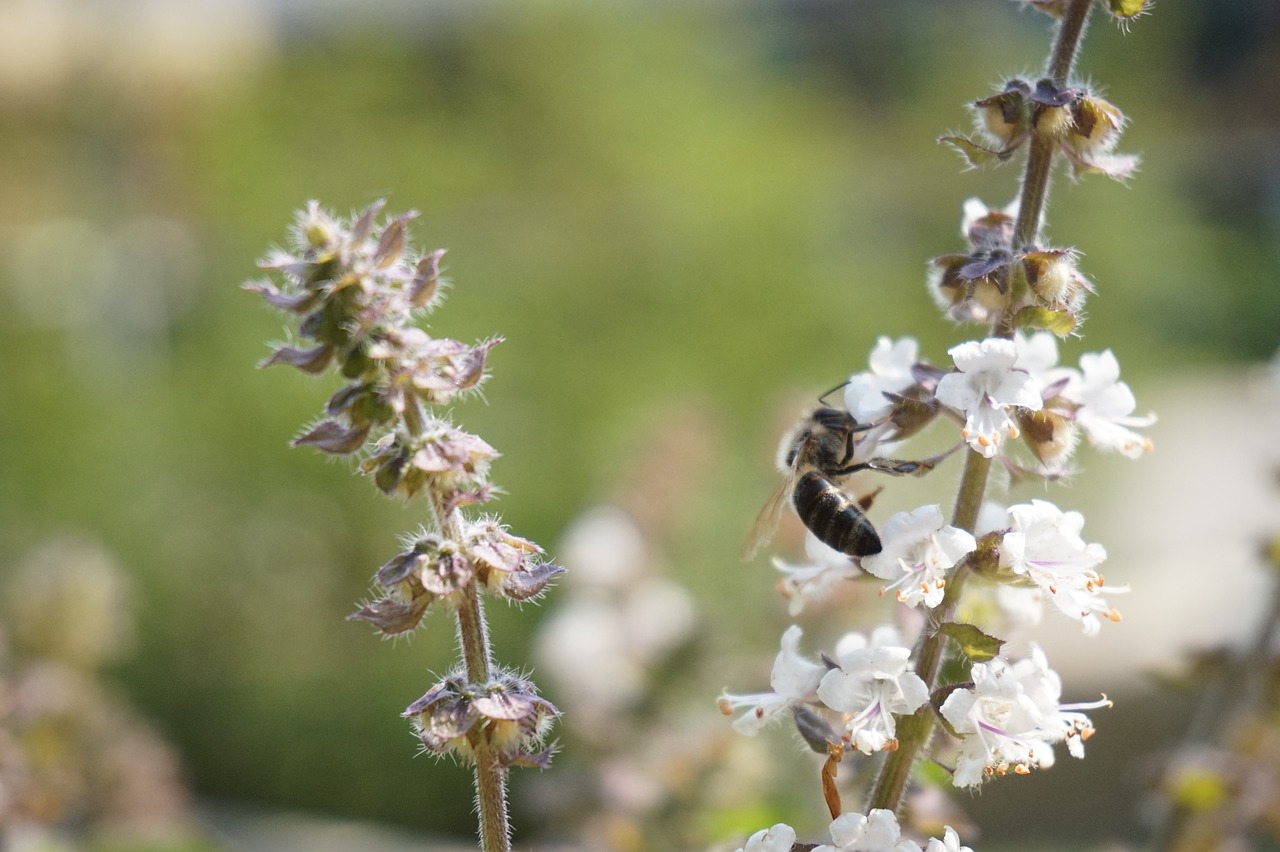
(1022, 605)
(813, 581)
(780, 838)
(1105, 406)
(878, 831)
(793, 679)
(918, 549)
(985, 387)
(1038, 356)
(618, 616)
(870, 684)
(890, 363)
(950, 842)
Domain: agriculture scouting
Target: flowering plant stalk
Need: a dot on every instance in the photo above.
(1001, 712)
(357, 288)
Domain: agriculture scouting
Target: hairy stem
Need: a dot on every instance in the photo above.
(473, 640)
(491, 775)
(915, 731)
(1035, 181)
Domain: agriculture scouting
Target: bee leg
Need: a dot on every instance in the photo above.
(899, 467)
(850, 446)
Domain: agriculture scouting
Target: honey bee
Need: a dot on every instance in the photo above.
(815, 456)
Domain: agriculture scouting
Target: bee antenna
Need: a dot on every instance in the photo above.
(823, 399)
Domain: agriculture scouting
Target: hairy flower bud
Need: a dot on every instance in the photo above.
(507, 712)
(1006, 116)
(1052, 115)
(317, 227)
(971, 287)
(504, 562)
(1052, 275)
(426, 280)
(1050, 436)
(986, 228)
(1127, 10)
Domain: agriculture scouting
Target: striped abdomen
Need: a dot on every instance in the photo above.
(833, 517)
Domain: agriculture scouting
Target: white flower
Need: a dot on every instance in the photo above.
(1038, 356)
(777, 839)
(984, 388)
(813, 581)
(1045, 546)
(794, 679)
(998, 724)
(1010, 719)
(949, 843)
(1060, 722)
(1021, 605)
(1105, 406)
(870, 685)
(918, 549)
(891, 363)
(878, 831)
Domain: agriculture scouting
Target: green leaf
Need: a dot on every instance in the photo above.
(976, 645)
(1060, 323)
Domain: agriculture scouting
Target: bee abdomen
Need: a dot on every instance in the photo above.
(833, 517)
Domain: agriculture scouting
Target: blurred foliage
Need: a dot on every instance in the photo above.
(664, 208)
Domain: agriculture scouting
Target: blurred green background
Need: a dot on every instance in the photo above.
(693, 212)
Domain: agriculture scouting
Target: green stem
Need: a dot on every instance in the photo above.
(915, 731)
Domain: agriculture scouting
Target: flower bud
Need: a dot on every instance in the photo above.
(971, 287)
(1053, 117)
(1127, 10)
(987, 228)
(504, 563)
(1096, 125)
(391, 243)
(1005, 116)
(312, 360)
(911, 412)
(506, 711)
(1050, 436)
(426, 280)
(332, 437)
(317, 227)
(984, 559)
(392, 616)
(1052, 275)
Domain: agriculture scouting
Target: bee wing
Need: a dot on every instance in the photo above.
(766, 522)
